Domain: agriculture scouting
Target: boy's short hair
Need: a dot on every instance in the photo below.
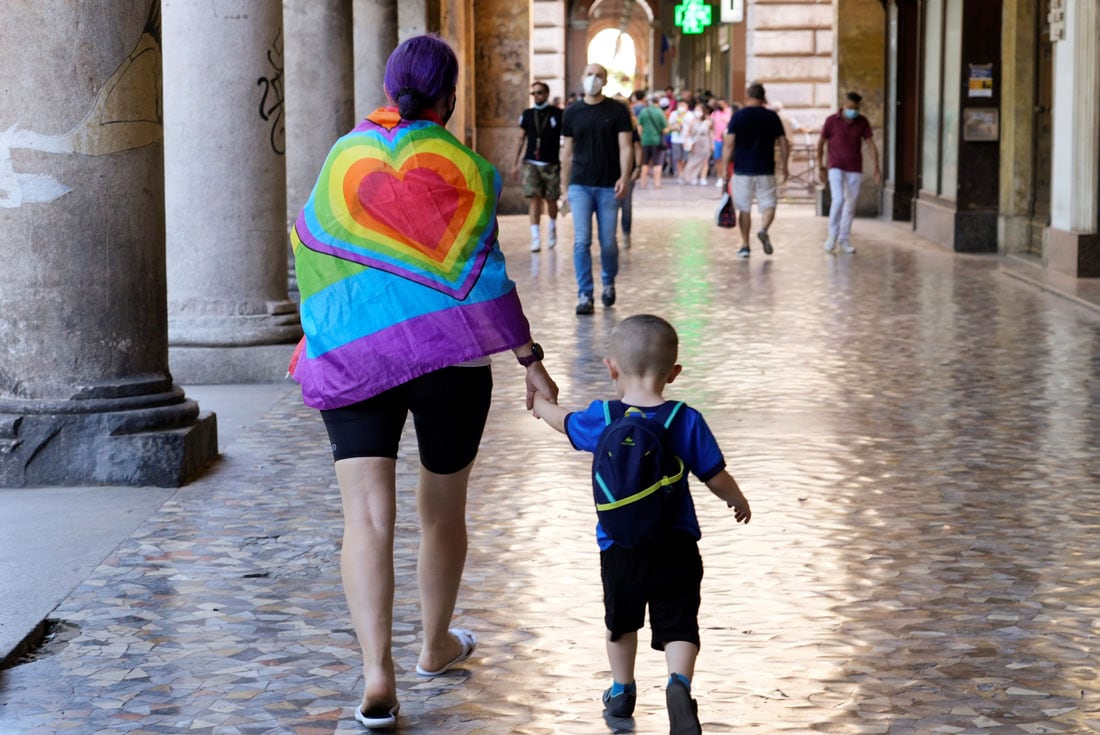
(855, 97)
(644, 344)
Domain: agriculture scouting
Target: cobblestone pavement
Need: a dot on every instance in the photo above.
(917, 434)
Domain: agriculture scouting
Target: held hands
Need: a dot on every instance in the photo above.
(539, 382)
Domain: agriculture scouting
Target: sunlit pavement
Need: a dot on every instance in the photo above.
(917, 433)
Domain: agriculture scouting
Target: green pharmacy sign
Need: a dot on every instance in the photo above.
(693, 16)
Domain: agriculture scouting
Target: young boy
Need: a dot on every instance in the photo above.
(666, 575)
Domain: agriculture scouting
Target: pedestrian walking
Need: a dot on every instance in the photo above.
(719, 121)
(538, 150)
(652, 126)
(677, 121)
(389, 330)
(649, 553)
(596, 163)
(750, 140)
(844, 134)
(697, 145)
(626, 204)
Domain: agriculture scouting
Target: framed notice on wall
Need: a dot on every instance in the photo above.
(980, 81)
(981, 124)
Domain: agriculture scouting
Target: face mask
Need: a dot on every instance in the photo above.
(593, 85)
(541, 105)
(697, 114)
(850, 113)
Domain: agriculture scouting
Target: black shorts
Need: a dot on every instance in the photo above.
(449, 409)
(653, 155)
(667, 577)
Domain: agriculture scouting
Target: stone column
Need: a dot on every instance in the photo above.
(1073, 245)
(229, 318)
(320, 90)
(1017, 126)
(548, 45)
(860, 52)
(502, 29)
(85, 394)
(375, 38)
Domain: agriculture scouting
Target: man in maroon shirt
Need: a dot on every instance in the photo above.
(845, 131)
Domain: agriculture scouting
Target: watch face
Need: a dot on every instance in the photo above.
(536, 350)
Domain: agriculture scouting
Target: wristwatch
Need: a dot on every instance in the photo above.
(535, 356)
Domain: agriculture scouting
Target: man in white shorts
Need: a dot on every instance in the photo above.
(750, 141)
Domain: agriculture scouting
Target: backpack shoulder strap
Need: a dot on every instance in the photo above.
(668, 412)
(612, 410)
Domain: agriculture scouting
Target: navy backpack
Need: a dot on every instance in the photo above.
(637, 479)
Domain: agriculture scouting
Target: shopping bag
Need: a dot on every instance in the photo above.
(725, 216)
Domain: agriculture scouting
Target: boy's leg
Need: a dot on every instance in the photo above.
(622, 575)
(680, 657)
(621, 655)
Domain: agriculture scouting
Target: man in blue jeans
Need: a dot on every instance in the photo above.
(596, 161)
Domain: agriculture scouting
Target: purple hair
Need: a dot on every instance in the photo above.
(419, 73)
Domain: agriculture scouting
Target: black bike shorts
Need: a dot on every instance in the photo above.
(449, 409)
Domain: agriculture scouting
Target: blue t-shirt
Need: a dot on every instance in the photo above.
(755, 129)
(691, 439)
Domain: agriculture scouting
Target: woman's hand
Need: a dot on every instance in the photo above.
(540, 382)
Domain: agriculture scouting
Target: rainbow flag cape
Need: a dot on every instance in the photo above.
(398, 264)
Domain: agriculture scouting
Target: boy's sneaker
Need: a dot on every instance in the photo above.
(608, 296)
(847, 247)
(551, 239)
(765, 241)
(585, 305)
(621, 705)
(743, 252)
(626, 242)
(683, 712)
(535, 245)
(830, 245)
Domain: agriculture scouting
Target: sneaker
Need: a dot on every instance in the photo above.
(765, 241)
(743, 252)
(621, 705)
(551, 239)
(626, 242)
(847, 247)
(683, 711)
(535, 246)
(830, 245)
(585, 305)
(608, 297)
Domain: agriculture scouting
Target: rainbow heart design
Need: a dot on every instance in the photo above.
(407, 199)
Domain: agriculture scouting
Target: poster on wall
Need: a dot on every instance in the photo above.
(981, 124)
(980, 82)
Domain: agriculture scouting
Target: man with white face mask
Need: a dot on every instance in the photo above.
(845, 133)
(596, 161)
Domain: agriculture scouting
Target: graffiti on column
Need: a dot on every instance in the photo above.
(271, 99)
(125, 115)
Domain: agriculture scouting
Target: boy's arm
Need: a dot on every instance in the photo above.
(553, 414)
(724, 486)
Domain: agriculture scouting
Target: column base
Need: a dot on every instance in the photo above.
(1074, 253)
(939, 220)
(221, 365)
(897, 202)
(61, 445)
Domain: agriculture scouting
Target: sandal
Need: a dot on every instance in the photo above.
(379, 716)
(469, 644)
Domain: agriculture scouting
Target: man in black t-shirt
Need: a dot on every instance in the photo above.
(750, 140)
(596, 162)
(539, 143)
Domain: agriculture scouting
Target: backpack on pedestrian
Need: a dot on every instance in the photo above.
(637, 478)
